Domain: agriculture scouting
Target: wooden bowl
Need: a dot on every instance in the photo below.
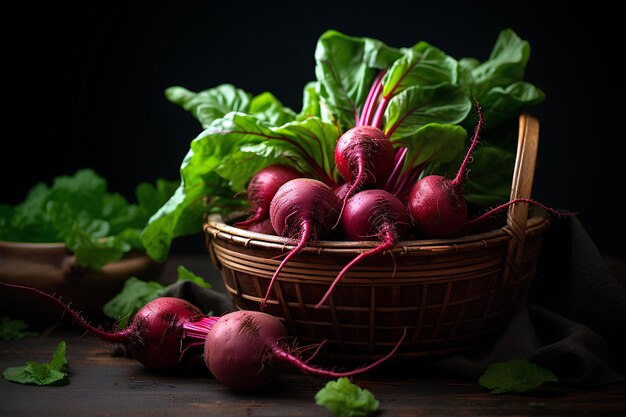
(50, 267)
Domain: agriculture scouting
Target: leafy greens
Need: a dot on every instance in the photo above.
(98, 226)
(424, 108)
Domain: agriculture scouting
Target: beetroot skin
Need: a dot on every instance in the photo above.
(364, 156)
(262, 188)
(246, 350)
(154, 336)
(437, 207)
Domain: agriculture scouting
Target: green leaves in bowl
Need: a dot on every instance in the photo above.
(97, 225)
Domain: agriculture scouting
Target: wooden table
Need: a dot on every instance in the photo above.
(104, 385)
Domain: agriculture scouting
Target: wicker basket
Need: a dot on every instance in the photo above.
(448, 293)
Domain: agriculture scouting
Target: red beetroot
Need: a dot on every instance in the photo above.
(263, 226)
(364, 156)
(154, 337)
(262, 188)
(244, 350)
(303, 209)
(372, 215)
(436, 204)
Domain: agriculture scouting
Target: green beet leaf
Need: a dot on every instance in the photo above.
(200, 191)
(345, 399)
(497, 83)
(137, 293)
(267, 108)
(306, 145)
(345, 68)
(211, 104)
(215, 103)
(14, 329)
(421, 65)
(98, 226)
(134, 295)
(310, 102)
(515, 376)
(150, 197)
(185, 274)
(434, 142)
(420, 105)
(53, 373)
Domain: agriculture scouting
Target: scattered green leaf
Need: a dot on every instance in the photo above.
(345, 399)
(185, 274)
(13, 329)
(53, 373)
(515, 376)
(137, 293)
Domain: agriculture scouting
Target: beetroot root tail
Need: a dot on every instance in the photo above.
(257, 217)
(515, 201)
(304, 238)
(120, 337)
(386, 244)
(290, 359)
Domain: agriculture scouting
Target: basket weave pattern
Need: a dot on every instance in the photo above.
(447, 293)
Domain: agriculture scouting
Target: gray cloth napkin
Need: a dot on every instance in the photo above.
(574, 323)
(575, 320)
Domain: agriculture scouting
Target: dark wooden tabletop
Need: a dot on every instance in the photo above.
(106, 385)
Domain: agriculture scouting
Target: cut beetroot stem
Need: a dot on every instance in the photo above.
(194, 332)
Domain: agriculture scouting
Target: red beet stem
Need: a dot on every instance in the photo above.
(399, 162)
(372, 98)
(194, 332)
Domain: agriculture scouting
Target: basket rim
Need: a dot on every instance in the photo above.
(216, 228)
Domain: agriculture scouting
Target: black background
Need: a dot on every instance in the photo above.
(83, 84)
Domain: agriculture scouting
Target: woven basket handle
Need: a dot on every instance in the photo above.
(523, 176)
